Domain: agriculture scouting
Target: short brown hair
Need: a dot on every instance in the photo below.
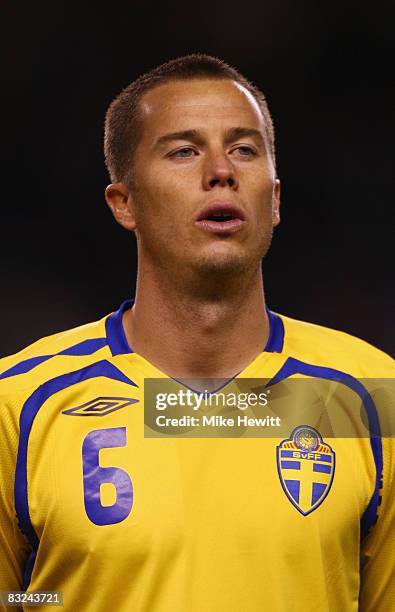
(123, 122)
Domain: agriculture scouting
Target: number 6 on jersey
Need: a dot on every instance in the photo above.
(95, 476)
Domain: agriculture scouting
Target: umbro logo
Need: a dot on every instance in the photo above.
(100, 406)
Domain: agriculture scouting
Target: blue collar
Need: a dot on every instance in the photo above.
(118, 344)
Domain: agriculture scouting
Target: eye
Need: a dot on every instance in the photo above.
(184, 152)
(245, 151)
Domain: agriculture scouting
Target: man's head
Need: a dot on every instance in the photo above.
(188, 141)
(124, 120)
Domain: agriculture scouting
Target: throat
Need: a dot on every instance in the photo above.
(190, 338)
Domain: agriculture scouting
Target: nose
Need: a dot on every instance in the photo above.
(219, 172)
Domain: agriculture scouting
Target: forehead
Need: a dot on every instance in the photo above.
(198, 104)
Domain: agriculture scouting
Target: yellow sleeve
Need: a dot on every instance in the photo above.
(378, 548)
(14, 548)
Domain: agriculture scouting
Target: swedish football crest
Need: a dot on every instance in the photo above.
(306, 466)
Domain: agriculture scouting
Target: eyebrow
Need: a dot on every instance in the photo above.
(241, 132)
(196, 136)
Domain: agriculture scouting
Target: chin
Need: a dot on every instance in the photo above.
(224, 263)
(230, 259)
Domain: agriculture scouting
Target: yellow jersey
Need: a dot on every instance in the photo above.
(116, 520)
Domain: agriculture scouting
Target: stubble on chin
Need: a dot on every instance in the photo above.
(235, 264)
(226, 265)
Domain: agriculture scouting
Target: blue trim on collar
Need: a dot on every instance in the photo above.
(116, 337)
(275, 342)
(118, 343)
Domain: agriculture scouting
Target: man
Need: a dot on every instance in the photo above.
(115, 520)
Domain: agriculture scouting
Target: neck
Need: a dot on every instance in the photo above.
(188, 330)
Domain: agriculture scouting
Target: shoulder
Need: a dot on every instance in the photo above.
(331, 348)
(53, 355)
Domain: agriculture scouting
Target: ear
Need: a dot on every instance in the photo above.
(120, 201)
(276, 203)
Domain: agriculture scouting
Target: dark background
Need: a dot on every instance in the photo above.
(327, 71)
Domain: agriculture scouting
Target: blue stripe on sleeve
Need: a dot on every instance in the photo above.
(27, 574)
(294, 366)
(25, 366)
(86, 347)
(28, 414)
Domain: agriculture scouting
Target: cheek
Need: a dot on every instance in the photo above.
(157, 211)
(263, 197)
(258, 179)
(168, 199)
(262, 200)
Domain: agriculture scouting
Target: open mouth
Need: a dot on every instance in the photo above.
(221, 218)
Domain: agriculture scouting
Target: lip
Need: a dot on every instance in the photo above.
(221, 227)
(217, 207)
